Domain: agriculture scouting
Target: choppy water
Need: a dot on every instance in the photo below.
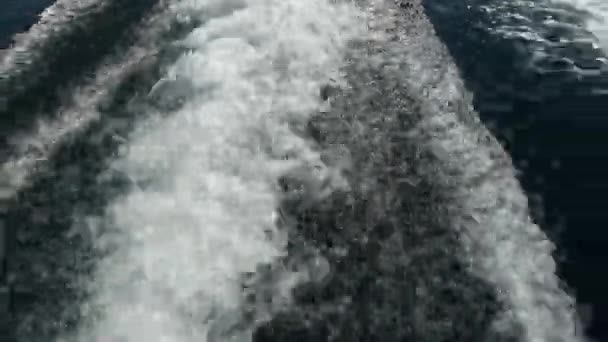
(261, 170)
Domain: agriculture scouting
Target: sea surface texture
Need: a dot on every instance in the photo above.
(286, 170)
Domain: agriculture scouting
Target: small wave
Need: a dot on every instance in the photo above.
(54, 21)
(551, 29)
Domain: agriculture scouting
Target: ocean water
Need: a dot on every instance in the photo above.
(261, 170)
(542, 89)
(18, 16)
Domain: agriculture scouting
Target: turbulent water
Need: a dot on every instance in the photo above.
(258, 170)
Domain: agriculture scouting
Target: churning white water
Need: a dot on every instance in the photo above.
(181, 246)
(487, 206)
(200, 211)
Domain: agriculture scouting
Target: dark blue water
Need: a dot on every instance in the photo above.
(17, 16)
(553, 125)
(555, 129)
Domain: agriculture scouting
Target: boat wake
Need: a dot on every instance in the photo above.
(259, 170)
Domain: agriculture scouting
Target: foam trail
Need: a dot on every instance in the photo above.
(33, 148)
(199, 215)
(484, 200)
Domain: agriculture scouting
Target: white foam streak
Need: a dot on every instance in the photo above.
(35, 147)
(202, 213)
(54, 20)
(507, 248)
(486, 203)
(32, 149)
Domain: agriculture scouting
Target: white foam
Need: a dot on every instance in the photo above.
(485, 201)
(33, 148)
(507, 248)
(200, 213)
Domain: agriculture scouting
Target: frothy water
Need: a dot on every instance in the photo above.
(32, 149)
(484, 200)
(201, 229)
(200, 211)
